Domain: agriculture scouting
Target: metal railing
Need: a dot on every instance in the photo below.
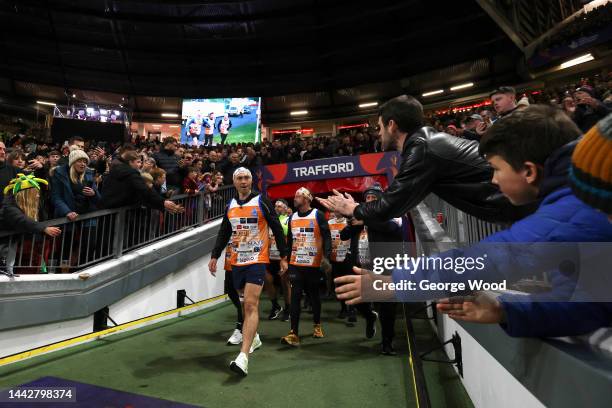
(465, 229)
(461, 227)
(105, 234)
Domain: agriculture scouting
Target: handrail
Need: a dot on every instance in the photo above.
(105, 234)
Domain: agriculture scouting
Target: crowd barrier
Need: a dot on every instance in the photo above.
(105, 234)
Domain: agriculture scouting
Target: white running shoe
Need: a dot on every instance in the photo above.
(240, 365)
(235, 338)
(256, 343)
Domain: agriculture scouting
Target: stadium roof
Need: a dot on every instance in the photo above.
(323, 54)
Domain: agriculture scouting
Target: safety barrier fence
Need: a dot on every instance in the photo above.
(105, 234)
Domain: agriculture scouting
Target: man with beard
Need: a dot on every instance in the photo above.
(431, 162)
(309, 246)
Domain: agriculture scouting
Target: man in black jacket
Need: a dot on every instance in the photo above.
(432, 162)
(125, 186)
(372, 242)
(7, 172)
(169, 162)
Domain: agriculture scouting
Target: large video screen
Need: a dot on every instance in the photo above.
(212, 122)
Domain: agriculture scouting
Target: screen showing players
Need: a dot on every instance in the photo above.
(212, 122)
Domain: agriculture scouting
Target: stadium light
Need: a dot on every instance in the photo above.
(579, 60)
(439, 91)
(45, 103)
(302, 112)
(174, 126)
(367, 105)
(170, 115)
(462, 86)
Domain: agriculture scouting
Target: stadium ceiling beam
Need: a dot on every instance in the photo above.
(290, 11)
(491, 9)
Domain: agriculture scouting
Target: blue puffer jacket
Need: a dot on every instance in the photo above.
(62, 196)
(560, 218)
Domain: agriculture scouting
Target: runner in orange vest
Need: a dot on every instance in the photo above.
(338, 254)
(246, 221)
(309, 243)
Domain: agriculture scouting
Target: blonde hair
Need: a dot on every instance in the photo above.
(27, 200)
(75, 177)
(148, 178)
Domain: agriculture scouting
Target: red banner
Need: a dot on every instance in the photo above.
(324, 187)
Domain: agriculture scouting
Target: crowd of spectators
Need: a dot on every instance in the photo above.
(85, 175)
(586, 101)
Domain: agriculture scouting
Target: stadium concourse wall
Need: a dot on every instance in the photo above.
(139, 287)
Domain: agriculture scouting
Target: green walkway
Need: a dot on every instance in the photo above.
(186, 360)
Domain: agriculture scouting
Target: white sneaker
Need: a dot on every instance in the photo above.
(240, 365)
(256, 343)
(235, 338)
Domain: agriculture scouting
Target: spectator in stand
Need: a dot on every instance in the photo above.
(7, 172)
(452, 130)
(17, 158)
(73, 188)
(190, 183)
(53, 159)
(473, 127)
(148, 179)
(167, 159)
(148, 164)
(588, 110)
(75, 142)
(504, 100)
(229, 168)
(159, 183)
(125, 186)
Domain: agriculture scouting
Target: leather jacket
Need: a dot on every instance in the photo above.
(449, 167)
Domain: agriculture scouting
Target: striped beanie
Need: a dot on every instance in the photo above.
(591, 171)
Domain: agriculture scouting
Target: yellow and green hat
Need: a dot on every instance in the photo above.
(591, 171)
(23, 182)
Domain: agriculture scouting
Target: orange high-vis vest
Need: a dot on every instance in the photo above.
(364, 247)
(250, 241)
(339, 248)
(228, 257)
(307, 248)
(211, 126)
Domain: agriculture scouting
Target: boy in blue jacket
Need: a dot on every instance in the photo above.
(530, 153)
(561, 217)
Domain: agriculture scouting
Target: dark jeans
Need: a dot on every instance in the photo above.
(305, 279)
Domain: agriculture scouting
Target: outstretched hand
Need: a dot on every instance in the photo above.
(481, 308)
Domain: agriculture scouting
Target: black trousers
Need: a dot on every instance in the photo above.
(223, 137)
(386, 314)
(208, 140)
(305, 279)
